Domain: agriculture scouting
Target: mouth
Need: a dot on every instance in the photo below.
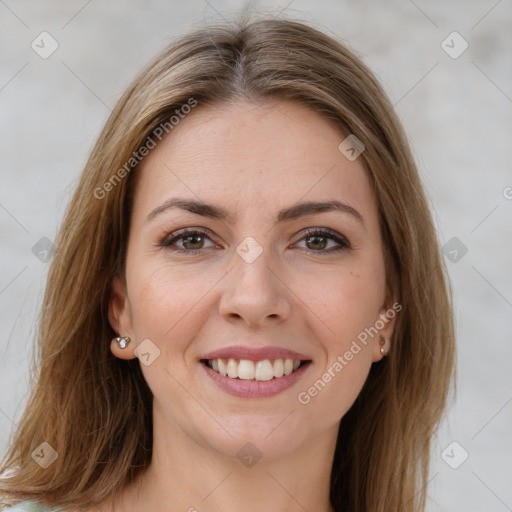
(249, 372)
(260, 370)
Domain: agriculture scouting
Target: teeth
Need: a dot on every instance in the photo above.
(264, 370)
(248, 370)
(222, 367)
(278, 368)
(232, 369)
(245, 369)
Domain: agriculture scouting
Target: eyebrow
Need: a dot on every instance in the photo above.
(286, 214)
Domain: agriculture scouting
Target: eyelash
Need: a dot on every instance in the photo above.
(168, 241)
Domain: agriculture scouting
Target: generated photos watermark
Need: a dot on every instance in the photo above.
(149, 144)
(304, 397)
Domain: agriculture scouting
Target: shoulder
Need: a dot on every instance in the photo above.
(27, 506)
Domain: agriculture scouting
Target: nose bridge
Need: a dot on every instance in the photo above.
(253, 289)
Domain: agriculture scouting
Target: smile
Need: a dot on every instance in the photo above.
(246, 369)
(250, 372)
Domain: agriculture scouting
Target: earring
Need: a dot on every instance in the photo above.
(122, 342)
(382, 343)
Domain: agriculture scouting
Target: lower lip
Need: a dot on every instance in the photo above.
(256, 388)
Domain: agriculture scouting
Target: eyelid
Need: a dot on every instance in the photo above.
(342, 242)
(180, 233)
(338, 237)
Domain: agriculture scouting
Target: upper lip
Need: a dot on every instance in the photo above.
(255, 354)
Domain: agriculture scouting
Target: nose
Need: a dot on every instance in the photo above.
(254, 292)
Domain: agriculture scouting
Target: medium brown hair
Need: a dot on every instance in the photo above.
(95, 409)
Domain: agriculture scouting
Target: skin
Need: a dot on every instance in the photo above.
(251, 159)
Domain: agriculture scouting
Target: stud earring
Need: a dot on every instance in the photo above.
(122, 342)
(382, 343)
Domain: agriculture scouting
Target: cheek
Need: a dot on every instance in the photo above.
(168, 308)
(164, 300)
(334, 391)
(348, 305)
(346, 299)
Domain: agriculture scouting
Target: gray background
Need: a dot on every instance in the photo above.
(458, 112)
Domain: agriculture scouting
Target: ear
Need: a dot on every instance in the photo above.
(120, 319)
(385, 324)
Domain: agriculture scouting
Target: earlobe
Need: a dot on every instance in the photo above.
(382, 344)
(119, 317)
(386, 327)
(122, 348)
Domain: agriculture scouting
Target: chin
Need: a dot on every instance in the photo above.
(264, 437)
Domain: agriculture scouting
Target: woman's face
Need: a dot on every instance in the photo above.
(254, 285)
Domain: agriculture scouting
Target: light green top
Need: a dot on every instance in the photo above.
(28, 506)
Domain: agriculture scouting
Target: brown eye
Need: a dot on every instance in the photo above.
(190, 240)
(193, 241)
(316, 242)
(324, 241)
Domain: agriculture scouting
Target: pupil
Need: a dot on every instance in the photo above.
(187, 239)
(316, 238)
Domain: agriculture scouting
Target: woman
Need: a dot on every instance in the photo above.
(247, 307)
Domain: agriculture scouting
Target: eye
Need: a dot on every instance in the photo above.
(317, 240)
(192, 240)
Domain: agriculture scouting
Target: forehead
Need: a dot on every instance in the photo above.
(253, 157)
